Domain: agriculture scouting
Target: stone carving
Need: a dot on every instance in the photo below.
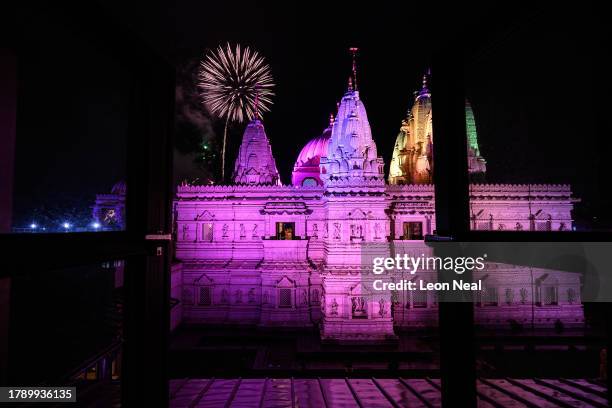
(185, 231)
(254, 234)
(224, 296)
(266, 297)
(239, 296)
(518, 226)
(326, 232)
(523, 293)
(334, 308)
(204, 215)
(381, 307)
(304, 297)
(376, 231)
(242, 231)
(571, 296)
(356, 231)
(359, 307)
(509, 294)
(225, 230)
(315, 296)
(315, 231)
(337, 229)
(251, 295)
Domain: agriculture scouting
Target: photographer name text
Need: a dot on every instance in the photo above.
(456, 284)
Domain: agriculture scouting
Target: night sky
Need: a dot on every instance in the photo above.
(536, 78)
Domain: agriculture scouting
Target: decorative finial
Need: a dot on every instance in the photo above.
(350, 84)
(256, 102)
(353, 51)
(331, 119)
(424, 89)
(426, 76)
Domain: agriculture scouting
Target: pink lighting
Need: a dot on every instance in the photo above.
(306, 169)
(260, 253)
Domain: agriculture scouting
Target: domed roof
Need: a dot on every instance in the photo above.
(314, 149)
(306, 170)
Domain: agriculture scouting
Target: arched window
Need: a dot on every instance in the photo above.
(285, 290)
(310, 182)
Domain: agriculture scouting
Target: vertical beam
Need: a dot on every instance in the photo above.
(457, 357)
(149, 197)
(5, 316)
(450, 144)
(8, 119)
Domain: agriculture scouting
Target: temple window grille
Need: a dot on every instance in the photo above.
(419, 299)
(207, 232)
(284, 298)
(205, 298)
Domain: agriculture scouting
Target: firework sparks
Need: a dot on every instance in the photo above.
(236, 84)
(229, 79)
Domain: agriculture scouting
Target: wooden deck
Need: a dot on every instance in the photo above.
(380, 392)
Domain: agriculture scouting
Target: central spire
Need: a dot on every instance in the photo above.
(353, 51)
(351, 155)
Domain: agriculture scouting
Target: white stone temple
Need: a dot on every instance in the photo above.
(260, 253)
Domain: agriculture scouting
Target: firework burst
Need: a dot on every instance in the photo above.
(236, 83)
(230, 77)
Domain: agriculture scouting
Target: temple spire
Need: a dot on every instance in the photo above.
(353, 51)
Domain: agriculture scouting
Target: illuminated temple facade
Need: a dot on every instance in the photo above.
(259, 253)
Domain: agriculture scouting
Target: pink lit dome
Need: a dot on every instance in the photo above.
(306, 171)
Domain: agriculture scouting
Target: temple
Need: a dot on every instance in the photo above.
(262, 254)
(255, 163)
(109, 209)
(412, 161)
